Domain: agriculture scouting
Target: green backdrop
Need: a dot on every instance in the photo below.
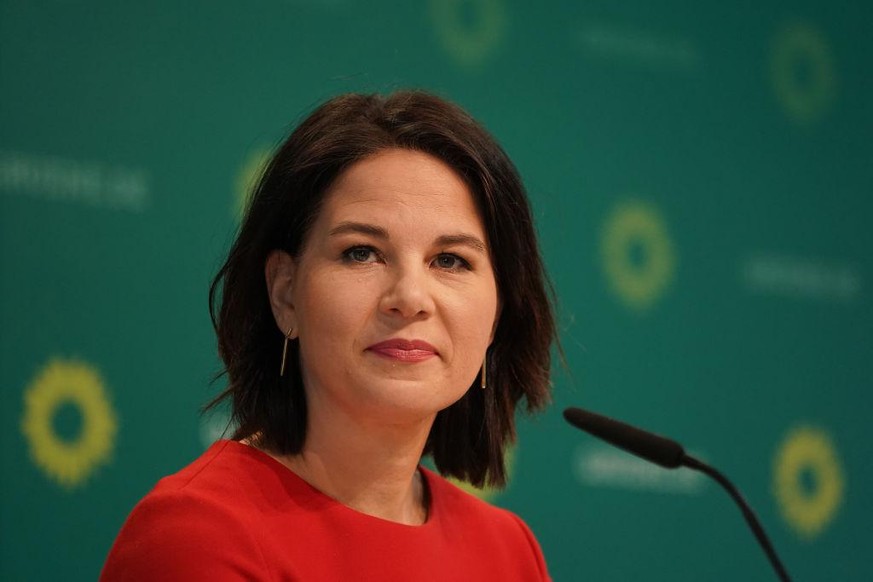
(701, 175)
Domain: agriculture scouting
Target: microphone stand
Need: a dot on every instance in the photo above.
(668, 454)
(751, 518)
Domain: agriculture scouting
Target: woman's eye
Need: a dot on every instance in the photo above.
(361, 255)
(451, 262)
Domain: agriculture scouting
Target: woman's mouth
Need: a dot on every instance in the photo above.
(404, 350)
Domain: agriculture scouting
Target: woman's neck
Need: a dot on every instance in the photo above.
(372, 468)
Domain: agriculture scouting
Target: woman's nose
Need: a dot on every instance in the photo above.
(408, 294)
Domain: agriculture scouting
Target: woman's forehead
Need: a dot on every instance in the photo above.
(401, 187)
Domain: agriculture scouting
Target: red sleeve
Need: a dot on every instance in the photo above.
(176, 536)
(535, 548)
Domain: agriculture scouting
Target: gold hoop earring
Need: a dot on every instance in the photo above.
(483, 381)
(285, 350)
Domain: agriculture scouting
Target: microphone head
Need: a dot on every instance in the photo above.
(651, 447)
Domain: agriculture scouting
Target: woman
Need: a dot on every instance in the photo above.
(385, 299)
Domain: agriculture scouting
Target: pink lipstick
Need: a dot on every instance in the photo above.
(404, 350)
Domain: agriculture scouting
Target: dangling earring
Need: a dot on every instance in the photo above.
(285, 350)
(483, 380)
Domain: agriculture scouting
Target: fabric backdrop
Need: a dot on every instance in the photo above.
(701, 175)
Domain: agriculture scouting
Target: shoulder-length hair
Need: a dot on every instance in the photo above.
(467, 439)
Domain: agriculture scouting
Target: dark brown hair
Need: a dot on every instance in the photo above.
(468, 438)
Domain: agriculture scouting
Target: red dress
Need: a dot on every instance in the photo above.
(237, 514)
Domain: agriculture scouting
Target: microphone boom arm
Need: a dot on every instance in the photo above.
(751, 518)
(670, 455)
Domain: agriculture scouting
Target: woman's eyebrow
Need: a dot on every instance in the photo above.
(359, 228)
(468, 240)
(461, 238)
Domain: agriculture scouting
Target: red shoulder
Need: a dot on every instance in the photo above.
(188, 528)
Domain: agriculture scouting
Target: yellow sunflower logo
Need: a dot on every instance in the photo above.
(637, 254)
(75, 384)
(808, 480)
(247, 178)
(469, 31)
(488, 493)
(802, 70)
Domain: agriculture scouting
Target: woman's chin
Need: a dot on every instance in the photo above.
(406, 402)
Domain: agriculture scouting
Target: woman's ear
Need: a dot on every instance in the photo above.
(279, 272)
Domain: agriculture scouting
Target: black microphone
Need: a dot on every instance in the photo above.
(669, 454)
(659, 450)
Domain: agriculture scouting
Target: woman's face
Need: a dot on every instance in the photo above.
(393, 297)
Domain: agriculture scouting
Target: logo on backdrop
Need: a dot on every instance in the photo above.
(768, 273)
(488, 493)
(247, 178)
(802, 72)
(637, 254)
(469, 30)
(807, 480)
(606, 467)
(65, 393)
(88, 183)
(215, 425)
(648, 48)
